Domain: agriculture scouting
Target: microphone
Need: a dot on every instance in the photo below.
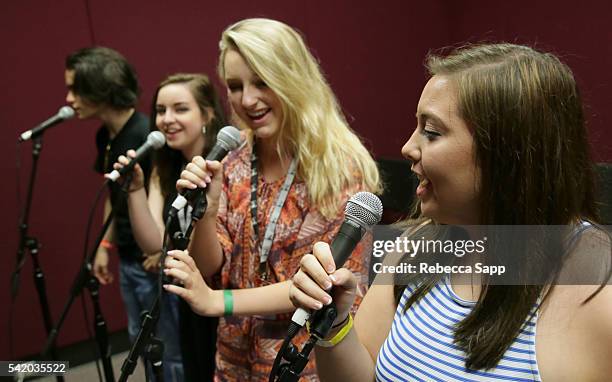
(64, 113)
(363, 210)
(155, 140)
(228, 139)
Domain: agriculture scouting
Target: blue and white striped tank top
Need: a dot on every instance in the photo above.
(420, 345)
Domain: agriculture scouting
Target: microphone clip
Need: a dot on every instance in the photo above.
(290, 362)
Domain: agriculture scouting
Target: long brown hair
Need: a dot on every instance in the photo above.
(169, 162)
(525, 112)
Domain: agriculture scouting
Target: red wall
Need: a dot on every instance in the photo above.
(372, 55)
(580, 33)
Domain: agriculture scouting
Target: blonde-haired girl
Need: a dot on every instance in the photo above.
(271, 199)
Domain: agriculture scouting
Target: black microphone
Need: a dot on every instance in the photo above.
(228, 139)
(64, 113)
(363, 210)
(155, 140)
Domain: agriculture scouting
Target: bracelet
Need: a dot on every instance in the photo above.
(335, 340)
(228, 300)
(343, 322)
(107, 244)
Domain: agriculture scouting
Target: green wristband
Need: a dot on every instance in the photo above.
(228, 299)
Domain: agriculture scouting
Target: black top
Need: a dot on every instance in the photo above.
(131, 136)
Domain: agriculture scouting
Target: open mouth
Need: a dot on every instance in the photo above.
(423, 187)
(258, 116)
(171, 133)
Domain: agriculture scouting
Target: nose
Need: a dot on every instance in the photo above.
(250, 95)
(411, 149)
(168, 117)
(69, 97)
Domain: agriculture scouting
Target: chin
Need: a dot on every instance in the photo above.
(265, 132)
(431, 213)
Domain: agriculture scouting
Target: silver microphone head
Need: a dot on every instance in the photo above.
(66, 112)
(364, 208)
(156, 139)
(229, 138)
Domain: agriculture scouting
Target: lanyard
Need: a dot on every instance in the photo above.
(266, 244)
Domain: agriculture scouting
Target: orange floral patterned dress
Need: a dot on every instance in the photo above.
(247, 346)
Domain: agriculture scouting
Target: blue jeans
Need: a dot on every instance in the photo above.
(139, 289)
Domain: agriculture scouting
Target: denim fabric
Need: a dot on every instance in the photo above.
(139, 289)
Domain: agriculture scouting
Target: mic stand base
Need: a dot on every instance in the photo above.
(291, 362)
(145, 341)
(101, 330)
(85, 279)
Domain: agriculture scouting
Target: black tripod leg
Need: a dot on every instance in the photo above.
(39, 281)
(101, 331)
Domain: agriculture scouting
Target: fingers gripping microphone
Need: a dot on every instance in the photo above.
(64, 113)
(228, 139)
(363, 210)
(155, 140)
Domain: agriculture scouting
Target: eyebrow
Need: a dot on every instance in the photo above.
(174, 104)
(254, 78)
(430, 116)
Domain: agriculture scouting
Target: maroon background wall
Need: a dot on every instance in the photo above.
(372, 56)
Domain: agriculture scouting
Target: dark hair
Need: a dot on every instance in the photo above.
(103, 76)
(169, 162)
(525, 113)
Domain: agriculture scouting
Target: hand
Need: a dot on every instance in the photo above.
(137, 173)
(100, 267)
(315, 278)
(194, 290)
(151, 262)
(204, 174)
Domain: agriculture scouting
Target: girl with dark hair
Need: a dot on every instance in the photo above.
(500, 140)
(187, 110)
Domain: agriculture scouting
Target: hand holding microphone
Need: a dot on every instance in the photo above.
(313, 283)
(155, 140)
(207, 173)
(319, 272)
(137, 181)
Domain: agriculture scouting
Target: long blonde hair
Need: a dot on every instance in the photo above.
(313, 128)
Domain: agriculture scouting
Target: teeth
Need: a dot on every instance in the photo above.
(258, 114)
(424, 182)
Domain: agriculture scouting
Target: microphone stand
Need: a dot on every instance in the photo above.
(290, 363)
(32, 245)
(85, 278)
(146, 342)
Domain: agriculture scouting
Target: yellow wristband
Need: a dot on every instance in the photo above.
(335, 340)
